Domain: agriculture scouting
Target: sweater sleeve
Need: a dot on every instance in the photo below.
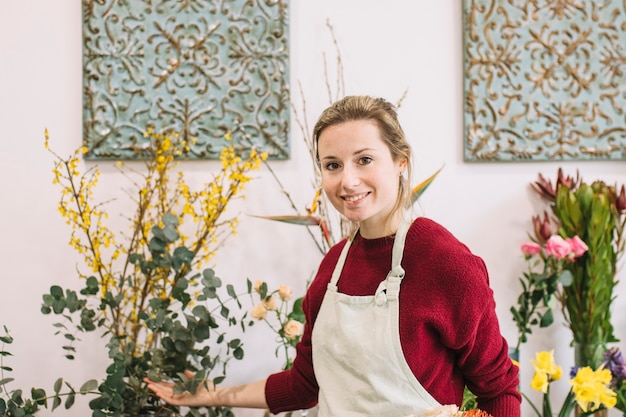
(483, 351)
(461, 322)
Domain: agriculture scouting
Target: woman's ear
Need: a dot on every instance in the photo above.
(402, 167)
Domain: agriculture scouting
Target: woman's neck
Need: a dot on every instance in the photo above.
(375, 230)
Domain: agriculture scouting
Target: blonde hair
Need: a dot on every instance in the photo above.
(384, 114)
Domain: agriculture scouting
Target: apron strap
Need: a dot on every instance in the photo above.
(398, 244)
(390, 287)
(340, 262)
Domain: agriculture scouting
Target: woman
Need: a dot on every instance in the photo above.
(400, 316)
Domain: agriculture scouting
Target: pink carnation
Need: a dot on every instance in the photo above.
(530, 248)
(558, 247)
(578, 246)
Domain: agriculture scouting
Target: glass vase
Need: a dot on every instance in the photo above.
(589, 354)
(592, 355)
(599, 413)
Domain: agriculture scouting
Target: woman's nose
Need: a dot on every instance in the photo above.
(350, 177)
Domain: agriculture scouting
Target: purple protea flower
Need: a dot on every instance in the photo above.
(614, 361)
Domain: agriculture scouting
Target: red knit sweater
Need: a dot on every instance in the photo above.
(448, 326)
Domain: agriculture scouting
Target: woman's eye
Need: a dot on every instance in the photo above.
(365, 160)
(331, 166)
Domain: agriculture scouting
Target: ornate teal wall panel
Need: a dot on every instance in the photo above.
(544, 80)
(202, 68)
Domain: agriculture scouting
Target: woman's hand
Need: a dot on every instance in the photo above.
(202, 398)
(250, 395)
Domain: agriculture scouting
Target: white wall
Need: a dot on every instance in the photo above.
(387, 47)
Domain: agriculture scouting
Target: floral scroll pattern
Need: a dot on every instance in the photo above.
(544, 80)
(200, 67)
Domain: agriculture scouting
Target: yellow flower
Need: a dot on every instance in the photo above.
(46, 143)
(259, 312)
(546, 371)
(592, 389)
(540, 381)
(285, 293)
(544, 362)
(159, 191)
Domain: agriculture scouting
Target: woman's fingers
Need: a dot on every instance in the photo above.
(165, 391)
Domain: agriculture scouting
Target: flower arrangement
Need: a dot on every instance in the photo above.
(540, 283)
(591, 390)
(284, 317)
(144, 287)
(596, 212)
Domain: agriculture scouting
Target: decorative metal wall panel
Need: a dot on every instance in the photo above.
(544, 80)
(202, 68)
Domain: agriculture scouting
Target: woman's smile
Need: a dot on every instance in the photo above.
(355, 198)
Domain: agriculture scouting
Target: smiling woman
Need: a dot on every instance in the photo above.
(369, 129)
(426, 354)
(356, 167)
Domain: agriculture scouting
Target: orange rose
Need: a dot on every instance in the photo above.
(293, 329)
(270, 303)
(257, 286)
(259, 312)
(285, 293)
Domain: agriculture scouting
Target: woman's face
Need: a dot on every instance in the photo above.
(359, 176)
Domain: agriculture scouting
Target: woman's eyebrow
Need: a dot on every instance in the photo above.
(357, 152)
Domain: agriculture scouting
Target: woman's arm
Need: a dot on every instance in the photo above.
(250, 395)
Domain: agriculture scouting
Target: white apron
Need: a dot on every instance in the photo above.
(357, 357)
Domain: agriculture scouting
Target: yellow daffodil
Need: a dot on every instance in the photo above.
(540, 381)
(591, 389)
(544, 362)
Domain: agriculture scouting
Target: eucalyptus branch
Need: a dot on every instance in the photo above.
(148, 310)
(14, 405)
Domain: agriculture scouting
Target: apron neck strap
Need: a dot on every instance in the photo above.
(396, 255)
(398, 244)
(390, 287)
(341, 261)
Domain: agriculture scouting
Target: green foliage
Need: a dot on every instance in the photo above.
(146, 290)
(590, 212)
(596, 213)
(540, 286)
(189, 327)
(15, 403)
(469, 400)
(620, 390)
